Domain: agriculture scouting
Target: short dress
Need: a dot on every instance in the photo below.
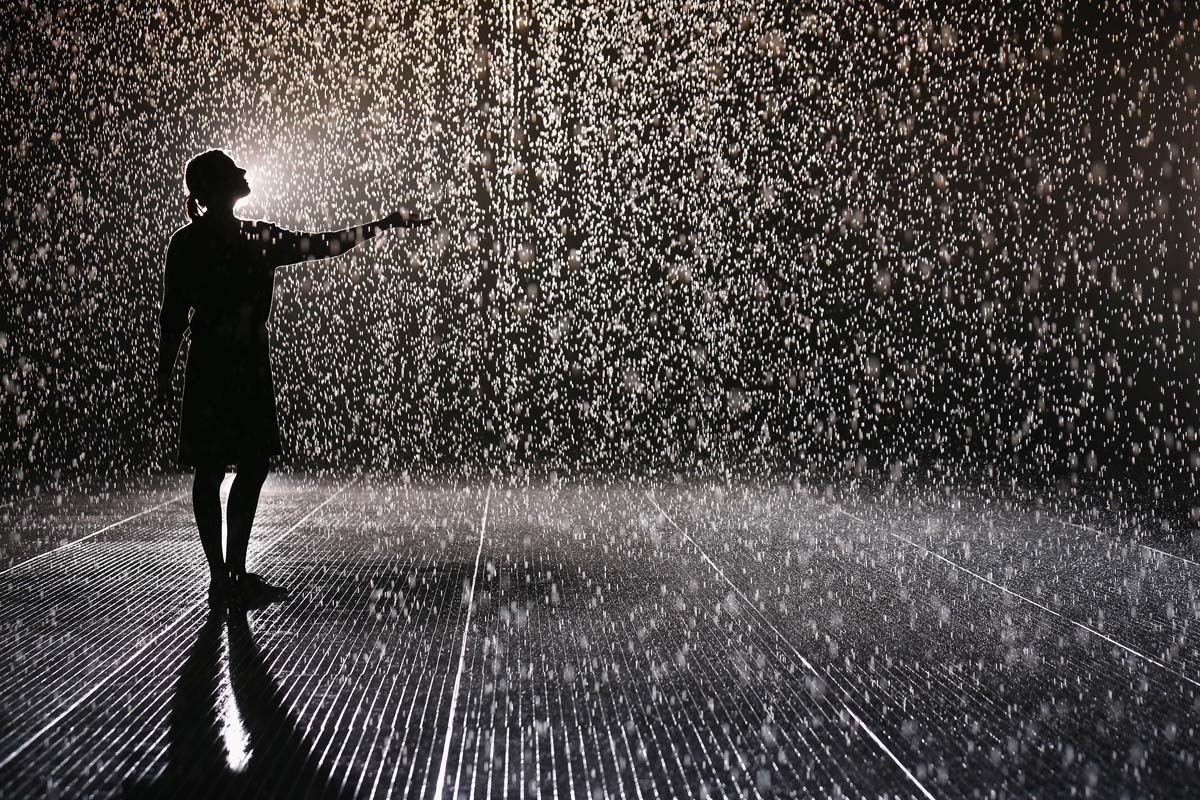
(226, 278)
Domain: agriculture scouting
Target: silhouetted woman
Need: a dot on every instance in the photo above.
(223, 269)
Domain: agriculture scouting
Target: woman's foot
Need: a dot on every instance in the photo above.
(220, 590)
(251, 591)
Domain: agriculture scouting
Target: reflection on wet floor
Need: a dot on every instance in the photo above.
(596, 641)
(229, 732)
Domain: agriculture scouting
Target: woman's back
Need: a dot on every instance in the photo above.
(225, 271)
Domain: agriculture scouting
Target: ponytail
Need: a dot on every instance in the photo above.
(198, 180)
(192, 207)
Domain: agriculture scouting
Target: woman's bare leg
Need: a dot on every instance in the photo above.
(243, 502)
(206, 503)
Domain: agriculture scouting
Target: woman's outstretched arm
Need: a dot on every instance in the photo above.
(299, 246)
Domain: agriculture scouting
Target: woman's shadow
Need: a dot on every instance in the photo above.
(229, 733)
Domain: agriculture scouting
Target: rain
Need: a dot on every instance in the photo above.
(788, 399)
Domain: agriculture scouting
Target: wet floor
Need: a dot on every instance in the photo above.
(616, 640)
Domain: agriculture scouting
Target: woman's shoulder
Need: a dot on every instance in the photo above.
(195, 230)
(182, 237)
(203, 237)
(263, 229)
(184, 231)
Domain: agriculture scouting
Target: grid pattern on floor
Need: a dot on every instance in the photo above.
(604, 641)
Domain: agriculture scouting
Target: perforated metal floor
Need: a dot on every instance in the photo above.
(603, 641)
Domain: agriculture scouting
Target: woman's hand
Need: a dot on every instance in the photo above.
(406, 219)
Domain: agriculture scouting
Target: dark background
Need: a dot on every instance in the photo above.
(937, 245)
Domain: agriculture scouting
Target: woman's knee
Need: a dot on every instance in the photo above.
(209, 476)
(254, 471)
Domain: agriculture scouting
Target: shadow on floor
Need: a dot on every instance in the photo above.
(229, 733)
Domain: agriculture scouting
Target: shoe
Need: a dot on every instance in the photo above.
(220, 591)
(251, 591)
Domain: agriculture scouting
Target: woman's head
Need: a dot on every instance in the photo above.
(213, 180)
